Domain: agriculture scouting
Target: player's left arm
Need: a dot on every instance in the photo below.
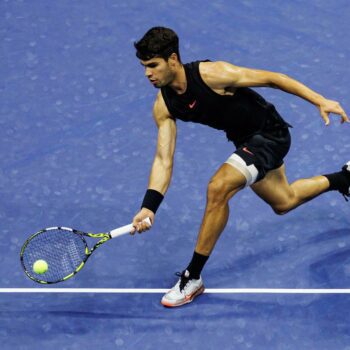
(223, 75)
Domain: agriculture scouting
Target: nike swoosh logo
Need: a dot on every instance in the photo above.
(245, 149)
(194, 294)
(191, 105)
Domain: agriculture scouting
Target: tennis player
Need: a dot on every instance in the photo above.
(218, 94)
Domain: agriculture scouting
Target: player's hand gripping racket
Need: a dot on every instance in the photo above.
(64, 249)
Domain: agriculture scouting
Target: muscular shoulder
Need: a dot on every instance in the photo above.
(160, 110)
(222, 75)
(219, 74)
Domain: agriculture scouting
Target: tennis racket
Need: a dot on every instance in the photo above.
(64, 249)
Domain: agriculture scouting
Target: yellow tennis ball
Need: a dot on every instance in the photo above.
(40, 267)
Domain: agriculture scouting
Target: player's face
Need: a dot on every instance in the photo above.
(158, 71)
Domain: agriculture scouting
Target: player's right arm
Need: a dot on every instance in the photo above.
(162, 167)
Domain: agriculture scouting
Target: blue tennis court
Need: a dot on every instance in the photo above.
(77, 144)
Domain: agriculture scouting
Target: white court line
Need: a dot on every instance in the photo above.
(155, 290)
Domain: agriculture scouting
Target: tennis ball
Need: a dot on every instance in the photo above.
(40, 267)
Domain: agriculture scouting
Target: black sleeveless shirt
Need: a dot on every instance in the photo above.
(240, 115)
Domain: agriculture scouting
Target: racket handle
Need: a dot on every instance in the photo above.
(126, 229)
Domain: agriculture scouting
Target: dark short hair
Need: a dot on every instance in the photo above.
(157, 42)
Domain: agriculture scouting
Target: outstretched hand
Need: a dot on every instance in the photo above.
(138, 222)
(329, 106)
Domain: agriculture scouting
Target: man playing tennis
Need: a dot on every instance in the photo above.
(217, 94)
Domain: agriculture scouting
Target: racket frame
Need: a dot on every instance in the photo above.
(104, 237)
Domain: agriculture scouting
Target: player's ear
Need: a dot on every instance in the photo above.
(173, 59)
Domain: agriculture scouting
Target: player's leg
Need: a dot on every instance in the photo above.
(222, 187)
(275, 190)
(227, 181)
(283, 197)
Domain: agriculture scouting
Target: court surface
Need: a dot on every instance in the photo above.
(77, 141)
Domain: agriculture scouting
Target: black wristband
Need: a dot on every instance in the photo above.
(152, 200)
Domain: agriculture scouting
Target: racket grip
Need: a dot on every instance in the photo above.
(126, 229)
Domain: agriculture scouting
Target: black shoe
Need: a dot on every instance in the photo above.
(346, 170)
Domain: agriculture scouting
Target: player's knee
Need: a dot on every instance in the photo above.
(216, 190)
(219, 191)
(286, 204)
(280, 212)
(281, 209)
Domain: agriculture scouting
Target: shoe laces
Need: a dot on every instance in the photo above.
(184, 278)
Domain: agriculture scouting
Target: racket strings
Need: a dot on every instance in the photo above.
(63, 250)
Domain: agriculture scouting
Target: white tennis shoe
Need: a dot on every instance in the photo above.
(184, 291)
